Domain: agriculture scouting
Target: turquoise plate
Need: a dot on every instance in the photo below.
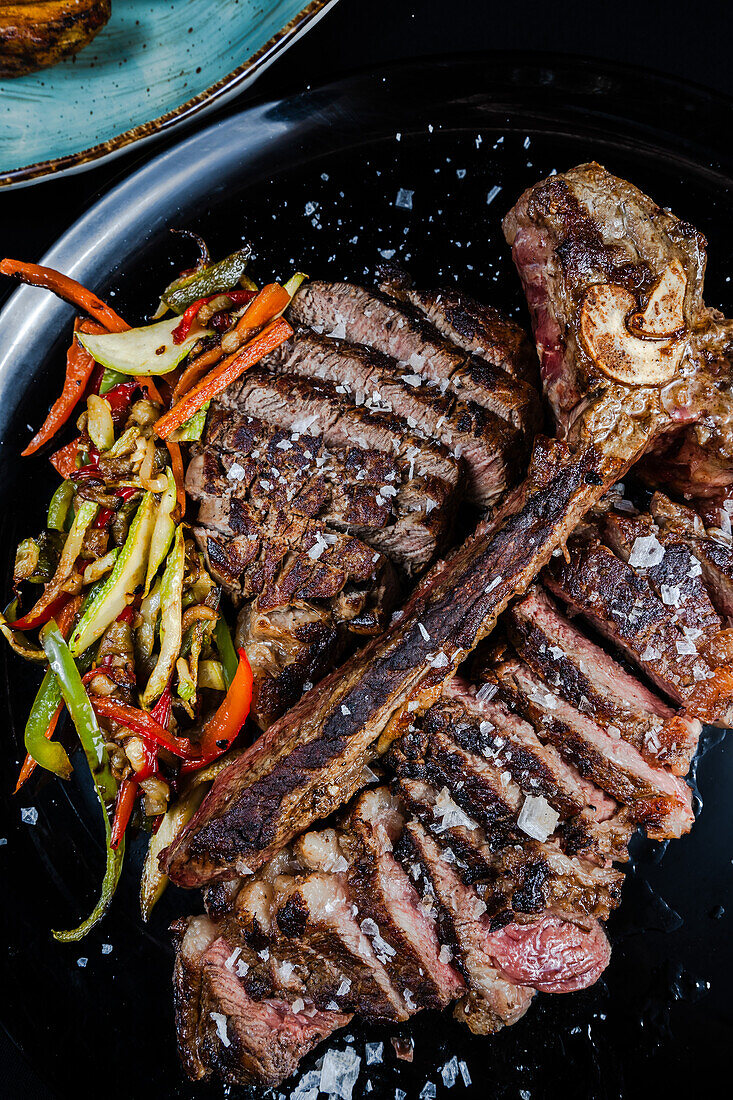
(152, 67)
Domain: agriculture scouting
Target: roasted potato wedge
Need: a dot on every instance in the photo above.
(36, 35)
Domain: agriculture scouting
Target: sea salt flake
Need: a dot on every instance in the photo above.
(387, 253)
(82, 962)
(686, 648)
(220, 1022)
(650, 654)
(374, 1053)
(29, 815)
(107, 948)
(344, 709)
(308, 1086)
(695, 569)
(339, 329)
(445, 955)
(496, 190)
(464, 1073)
(424, 632)
(646, 552)
(670, 594)
(428, 1091)
(490, 587)
(537, 817)
(229, 964)
(404, 198)
(235, 472)
(449, 1072)
(344, 988)
(487, 691)
(339, 1073)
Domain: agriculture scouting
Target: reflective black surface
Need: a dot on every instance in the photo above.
(322, 195)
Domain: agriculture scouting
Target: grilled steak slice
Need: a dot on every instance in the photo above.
(492, 1001)
(222, 1029)
(385, 896)
(318, 908)
(622, 606)
(422, 500)
(311, 761)
(476, 328)
(395, 504)
(673, 578)
(525, 878)
(654, 797)
(480, 788)
(713, 554)
(370, 317)
(596, 685)
(493, 451)
(551, 954)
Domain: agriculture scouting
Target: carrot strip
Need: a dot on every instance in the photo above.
(196, 370)
(79, 367)
(228, 371)
(177, 470)
(67, 289)
(271, 300)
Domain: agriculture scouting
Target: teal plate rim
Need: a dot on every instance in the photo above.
(215, 94)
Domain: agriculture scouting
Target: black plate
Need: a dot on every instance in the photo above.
(314, 181)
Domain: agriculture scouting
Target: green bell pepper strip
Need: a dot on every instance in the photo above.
(110, 379)
(227, 652)
(118, 589)
(58, 509)
(171, 594)
(163, 531)
(48, 754)
(214, 279)
(92, 740)
(193, 429)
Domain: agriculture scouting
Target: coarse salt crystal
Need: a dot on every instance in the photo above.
(235, 472)
(537, 817)
(404, 198)
(220, 1022)
(374, 1053)
(339, 1072)
(445, 955)
(29, 815)
(646, 552)
(424, 632)
(229, 964)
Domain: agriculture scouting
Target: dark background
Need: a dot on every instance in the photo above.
(687, 41)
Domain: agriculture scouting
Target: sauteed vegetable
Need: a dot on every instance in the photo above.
(127, 622)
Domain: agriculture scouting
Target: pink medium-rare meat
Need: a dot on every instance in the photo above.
(551, 955)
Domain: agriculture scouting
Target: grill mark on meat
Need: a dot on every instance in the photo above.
(524, 878)
(715, 558)
(383, 893)
(493, 452)
(654, 797)
(477, 328)
(383, 498)
(492, 1001)
(480, 788)
(318, 909)
(402, 332)
(622, 606)
(596, 685)
(312, 760)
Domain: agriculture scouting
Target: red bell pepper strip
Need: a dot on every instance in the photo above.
(42, 612)
(66, 288)
(223, 375)
(223, 727)
(182, 329)
(79, 369)
(119, 398)
(64, 460)
(123, 810)
(141, 723)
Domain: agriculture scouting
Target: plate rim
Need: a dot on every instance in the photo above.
(215, 95)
